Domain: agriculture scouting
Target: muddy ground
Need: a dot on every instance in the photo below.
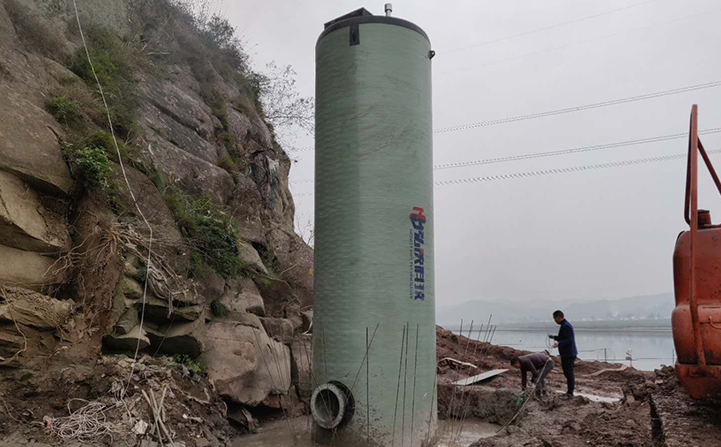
(681, 420)
(553, 422)
(651, 410)
(642, 409)
(35, 405)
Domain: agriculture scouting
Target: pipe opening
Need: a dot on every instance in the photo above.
(329, 408)
(331, 405)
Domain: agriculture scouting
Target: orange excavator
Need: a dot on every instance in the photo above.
(696, 320)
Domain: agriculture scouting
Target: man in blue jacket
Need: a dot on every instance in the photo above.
(566, 344)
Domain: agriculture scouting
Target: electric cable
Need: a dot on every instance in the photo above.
(576, 150)
(571, 169)
(561, 111)
(597, 105)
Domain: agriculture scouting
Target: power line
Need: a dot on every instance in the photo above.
(707, 13)
(568, 170)
(538, 30)
(577, 150)
(513, 119)
(596, 105)
(571, 151)
(572, 169)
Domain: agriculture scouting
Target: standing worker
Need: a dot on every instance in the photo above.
(566, 344)
(539, 365)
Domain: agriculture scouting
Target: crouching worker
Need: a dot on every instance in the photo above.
(539, 365)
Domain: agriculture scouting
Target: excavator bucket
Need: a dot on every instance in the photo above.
(696, 320)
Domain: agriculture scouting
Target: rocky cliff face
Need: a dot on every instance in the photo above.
(228, 283)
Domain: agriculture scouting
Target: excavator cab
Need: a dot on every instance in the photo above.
(696, 320)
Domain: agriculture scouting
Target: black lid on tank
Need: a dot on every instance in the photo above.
(362, 12)
(362, 15)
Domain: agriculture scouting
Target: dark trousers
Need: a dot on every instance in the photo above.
(567, 365)
(541, 388)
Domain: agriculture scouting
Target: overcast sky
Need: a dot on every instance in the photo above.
(606, 233)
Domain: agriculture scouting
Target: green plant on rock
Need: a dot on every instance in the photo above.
(115, 63)
(128, 154)
(215, 101)
(192, 365)
(141, 274)
(226, 139)
(270, 261)
(90, 165)
(105, 141)
(217, 308)
(228, 164)
(211, 230)
(156, 177)
(65, 110)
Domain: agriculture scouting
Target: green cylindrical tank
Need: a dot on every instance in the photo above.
(374, 235)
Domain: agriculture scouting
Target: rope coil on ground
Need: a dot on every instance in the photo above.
(87, 424)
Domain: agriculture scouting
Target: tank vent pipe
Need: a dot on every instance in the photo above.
(389, 9)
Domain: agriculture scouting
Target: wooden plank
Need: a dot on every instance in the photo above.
(480, 377)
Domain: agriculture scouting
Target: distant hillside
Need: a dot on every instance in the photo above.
(650, 307)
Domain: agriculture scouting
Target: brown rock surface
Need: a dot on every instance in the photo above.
(246, 365)
(25, 223)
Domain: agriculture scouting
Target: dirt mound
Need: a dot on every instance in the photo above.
(485, 357)
(551, 421)
(491, 405)
(106, 404)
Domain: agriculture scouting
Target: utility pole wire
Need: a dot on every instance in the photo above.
(518, 175)
(562, 111)
(597, 105)
(576, 150)
(561, 152)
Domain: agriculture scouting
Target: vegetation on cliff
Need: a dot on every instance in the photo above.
(169, 130)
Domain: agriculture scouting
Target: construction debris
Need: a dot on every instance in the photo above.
(480, 377)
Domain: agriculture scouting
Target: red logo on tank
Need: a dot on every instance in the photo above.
(418, 220)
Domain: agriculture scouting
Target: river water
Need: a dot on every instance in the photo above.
(282, 432)
(649, 348)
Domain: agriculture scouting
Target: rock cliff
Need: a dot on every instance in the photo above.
(226, 278)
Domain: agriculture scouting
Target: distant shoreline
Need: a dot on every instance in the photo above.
(638, 326)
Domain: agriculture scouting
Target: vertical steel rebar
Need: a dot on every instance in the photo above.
(368, 394)
(405, 381)
(415, 373)
(468, 393)
(455, 387)
(398, 387)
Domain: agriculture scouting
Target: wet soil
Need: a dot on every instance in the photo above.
(680, 421)
(609, 415)
(281, 432)
(615, 407)
(33, 403)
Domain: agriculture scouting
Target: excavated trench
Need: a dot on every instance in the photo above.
(491, 405)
